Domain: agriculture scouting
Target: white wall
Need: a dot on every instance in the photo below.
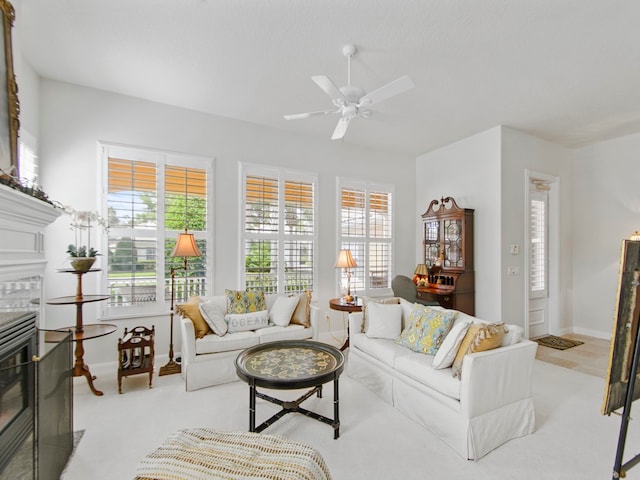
(73, 119)
(606, 210)
(519, 152)
(469, 171)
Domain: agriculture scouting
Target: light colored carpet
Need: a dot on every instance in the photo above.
(573, 440)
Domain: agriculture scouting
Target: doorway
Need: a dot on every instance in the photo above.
(541, 256)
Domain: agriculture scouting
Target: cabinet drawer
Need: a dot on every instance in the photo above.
(446, 300)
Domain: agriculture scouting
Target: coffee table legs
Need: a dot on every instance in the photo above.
(294, 407)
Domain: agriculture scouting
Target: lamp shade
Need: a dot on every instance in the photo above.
(186, 246)
(345, 260)
(421, 269)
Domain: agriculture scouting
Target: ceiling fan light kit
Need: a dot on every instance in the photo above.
(352, 101)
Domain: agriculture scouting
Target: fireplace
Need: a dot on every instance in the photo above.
(17, 381)
(22, 266)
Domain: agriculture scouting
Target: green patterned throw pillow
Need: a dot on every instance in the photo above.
(426, 329)
(245, 302)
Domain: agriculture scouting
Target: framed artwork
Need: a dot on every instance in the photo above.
(9, 105)
(624, 339)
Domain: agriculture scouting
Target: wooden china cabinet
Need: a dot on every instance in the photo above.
(448, 254)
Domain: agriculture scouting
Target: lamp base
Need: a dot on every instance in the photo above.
(348, 299)
(170, 368)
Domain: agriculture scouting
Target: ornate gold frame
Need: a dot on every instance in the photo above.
(10, 124)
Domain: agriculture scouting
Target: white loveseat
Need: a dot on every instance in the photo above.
(489, 404)
(210, 360)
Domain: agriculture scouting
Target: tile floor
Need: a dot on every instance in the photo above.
(591, 358)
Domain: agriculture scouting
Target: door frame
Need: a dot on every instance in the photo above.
(553, 314)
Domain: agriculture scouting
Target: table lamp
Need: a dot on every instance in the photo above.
(185, 247)
(346, 261)
(420, 273)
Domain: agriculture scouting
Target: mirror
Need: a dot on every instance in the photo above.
(9, 105)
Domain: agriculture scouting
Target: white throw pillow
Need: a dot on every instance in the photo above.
(213, 314)
(446, 354)
(282, 310)
(384, 320)
(513, 334)
(243, 322)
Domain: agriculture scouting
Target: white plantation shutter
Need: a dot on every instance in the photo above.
(279, 233)
(151, 197)
(538, 247)
(366, 226)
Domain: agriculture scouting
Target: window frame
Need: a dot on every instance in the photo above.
(358, 276)
(282, 175)
(161, 158)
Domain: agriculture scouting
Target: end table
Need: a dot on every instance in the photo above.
(349, 307)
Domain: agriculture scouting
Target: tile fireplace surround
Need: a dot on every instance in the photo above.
(22, 267)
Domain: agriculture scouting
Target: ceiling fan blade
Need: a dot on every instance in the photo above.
(389, 90)
(298, 116)
(341, 128)
(329, 88)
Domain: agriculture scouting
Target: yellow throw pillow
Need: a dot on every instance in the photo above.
(479, 337)
(191, 310)
(302, 313)
(245, 302)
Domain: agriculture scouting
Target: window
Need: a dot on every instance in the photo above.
(151, 197)
(538, 247)
(278, 230)
(366, 226)
(28, 157)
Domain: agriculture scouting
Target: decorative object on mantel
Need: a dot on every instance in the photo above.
(185, 247)
(25, 186)
(346, 261)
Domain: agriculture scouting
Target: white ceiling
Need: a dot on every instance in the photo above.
(565, 70)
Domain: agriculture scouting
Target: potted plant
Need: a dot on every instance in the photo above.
(81, 260)
(83, 255)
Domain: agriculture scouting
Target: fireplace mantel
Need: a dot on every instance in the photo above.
(22, 223)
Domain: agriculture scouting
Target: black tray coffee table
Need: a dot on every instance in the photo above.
(291, 365)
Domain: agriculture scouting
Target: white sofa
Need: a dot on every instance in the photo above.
(210, 360)
(487, 406)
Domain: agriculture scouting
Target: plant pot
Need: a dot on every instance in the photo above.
(82, 264)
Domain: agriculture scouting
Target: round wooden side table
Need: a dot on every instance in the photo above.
(348, 307)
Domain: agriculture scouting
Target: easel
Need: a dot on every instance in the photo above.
(625, 352)
(620, 469)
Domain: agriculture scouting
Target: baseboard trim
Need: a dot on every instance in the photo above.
(590, 333)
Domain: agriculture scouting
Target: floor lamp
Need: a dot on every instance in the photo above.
(346, 261)
(185, 247)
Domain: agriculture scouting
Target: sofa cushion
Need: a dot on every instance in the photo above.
(282, 310)
(384, 350)
(419, 368)
(366, 301)
(191, 310)
(213, 343)
(384, 320)
(245, 302)
(302, 313)
(213, 314)
(447, 352)
(479, 338)
(426, 330)
(242, 322)
(292, 332)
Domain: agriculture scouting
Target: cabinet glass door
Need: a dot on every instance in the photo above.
(453, 244)
(431, 242)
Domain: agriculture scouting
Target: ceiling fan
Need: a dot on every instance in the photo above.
(352, 101)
